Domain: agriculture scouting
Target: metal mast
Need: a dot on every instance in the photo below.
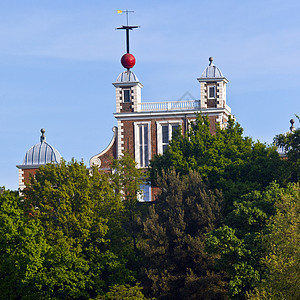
(127, 27)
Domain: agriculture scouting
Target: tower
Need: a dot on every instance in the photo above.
(128, 92)
(213, 92)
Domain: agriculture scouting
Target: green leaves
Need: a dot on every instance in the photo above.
(174, 241)
(242, 169)
(290, 143)
(22, 249)
(78, 214)
(230, 162)
(282, 243)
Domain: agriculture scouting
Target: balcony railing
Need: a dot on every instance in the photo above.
(170, 106)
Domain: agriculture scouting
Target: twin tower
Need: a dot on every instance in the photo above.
(145, 128)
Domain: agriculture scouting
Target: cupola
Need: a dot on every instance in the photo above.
(38, 155)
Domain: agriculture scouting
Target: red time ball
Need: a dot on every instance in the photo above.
(128, 61)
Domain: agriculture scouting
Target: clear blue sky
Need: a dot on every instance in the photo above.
(58, 59)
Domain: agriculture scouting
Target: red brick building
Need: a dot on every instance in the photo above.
(145, 129)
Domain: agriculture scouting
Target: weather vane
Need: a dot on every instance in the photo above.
(127, 60)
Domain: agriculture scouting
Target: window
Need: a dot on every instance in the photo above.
(126, 95)
(142, 143)
(165, 130)
(211, 91)
(165, 137)
(146, 193)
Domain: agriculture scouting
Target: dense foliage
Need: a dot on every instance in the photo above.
(174, 240)
(244, 171)
(230, 162)
(23, 250)
(67, 236)
(282, 249)
(290, 143)
(225, 225)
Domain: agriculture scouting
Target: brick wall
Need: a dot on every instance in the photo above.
(108, 156)
(27, 173)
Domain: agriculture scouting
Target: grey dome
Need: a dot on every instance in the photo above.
(127, 76)
(41, 154)
(212, 71)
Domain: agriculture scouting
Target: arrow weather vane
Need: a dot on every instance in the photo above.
(127, 27)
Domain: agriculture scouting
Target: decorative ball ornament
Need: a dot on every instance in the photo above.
(128, 60)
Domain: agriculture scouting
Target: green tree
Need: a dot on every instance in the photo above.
(23, 247)
(282, 245)
(230, 162)
(238, 166)
(80, 215)
(241, 247)
(177, 264)
(124, 292)
(290, 143)
(127, 179)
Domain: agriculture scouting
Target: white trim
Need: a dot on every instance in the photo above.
(120, 142)
(123, 95)
(127, 84)
(137, 154)
(159, 125)
(154, 115)
(189, 123)
(21, 182)
(216, 79)
(215, 91)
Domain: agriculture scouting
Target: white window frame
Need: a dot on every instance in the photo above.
(189, 123)
(159, 125)
(215, 91)
(141, 196)
(137, 153)
(129, 90)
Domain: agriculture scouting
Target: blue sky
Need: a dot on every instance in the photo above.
(58, 59)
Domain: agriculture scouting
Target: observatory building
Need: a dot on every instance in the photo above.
(144, 129)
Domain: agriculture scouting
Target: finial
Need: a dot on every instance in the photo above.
(127, 60)
(292, 128)
(211, 61)
(43, 138)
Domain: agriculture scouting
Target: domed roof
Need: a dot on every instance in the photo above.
(127, 76)
(212, 71)
(41, 153)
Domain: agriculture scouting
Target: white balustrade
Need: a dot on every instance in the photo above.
(170, 106)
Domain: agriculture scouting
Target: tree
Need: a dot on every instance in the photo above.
(237, 166)
(282, 243)
(242, 247)
(127, 179)
(80, 215)
(23, 247)
(177, 264)
(229, 161)
(124, 292)
(290, 143)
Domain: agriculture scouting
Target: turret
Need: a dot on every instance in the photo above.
(38, 155)
(212, 87)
